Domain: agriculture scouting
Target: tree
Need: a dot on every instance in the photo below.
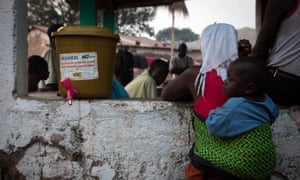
(181, 35)
(177, 7)
(135, 21)
(131, 21)
(45, 12)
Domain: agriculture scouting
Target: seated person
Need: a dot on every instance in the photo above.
(118, 91)
(123, 68)
(144, 86)
(37, 71)
(203, 84)
(123, 74)
(244, 48)
(139, 64)
(236, 139)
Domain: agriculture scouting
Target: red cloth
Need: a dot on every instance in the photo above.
(192, 173)
(213, 95)
(150, 60)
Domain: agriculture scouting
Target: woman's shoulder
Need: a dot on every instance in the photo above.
(181, 86)
(191, 71)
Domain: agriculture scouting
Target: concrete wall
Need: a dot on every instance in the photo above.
(98, 139)
(95, 139)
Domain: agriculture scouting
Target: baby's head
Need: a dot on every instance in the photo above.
(246, 77)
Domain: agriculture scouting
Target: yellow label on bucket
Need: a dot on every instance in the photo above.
(79, 66)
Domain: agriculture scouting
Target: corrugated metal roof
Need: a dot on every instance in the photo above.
(141, 41)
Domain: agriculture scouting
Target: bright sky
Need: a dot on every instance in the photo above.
(239, 13)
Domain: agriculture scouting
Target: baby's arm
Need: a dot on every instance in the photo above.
(235, 117)
(218, 122)
(229, 120)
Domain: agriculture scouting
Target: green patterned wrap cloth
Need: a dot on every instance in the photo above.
(248, 156)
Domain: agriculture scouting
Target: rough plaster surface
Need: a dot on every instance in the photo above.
(103, 139)
(97, 139)
(6, 54)
(286, 136)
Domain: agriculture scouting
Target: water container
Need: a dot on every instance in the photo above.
(86, 55)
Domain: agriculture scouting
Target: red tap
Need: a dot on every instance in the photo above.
(67, 84)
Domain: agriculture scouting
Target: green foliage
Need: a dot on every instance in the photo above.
(181, 35)
(45, 12)
(135, 21)
(131, 21)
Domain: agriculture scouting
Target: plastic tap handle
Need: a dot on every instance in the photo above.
(67, 85)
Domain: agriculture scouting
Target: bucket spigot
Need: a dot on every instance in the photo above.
(67, 85)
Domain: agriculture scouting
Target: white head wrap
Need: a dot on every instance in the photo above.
(219, 46)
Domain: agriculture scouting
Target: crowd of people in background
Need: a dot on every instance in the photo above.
(277, 43)
(129, 66)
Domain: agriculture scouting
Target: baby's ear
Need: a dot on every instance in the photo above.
(251, 89)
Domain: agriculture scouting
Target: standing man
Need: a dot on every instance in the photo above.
(181, 62)
(279, 43)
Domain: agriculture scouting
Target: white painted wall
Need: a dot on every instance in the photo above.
(7, 55)
(121, 139)
(102, 139)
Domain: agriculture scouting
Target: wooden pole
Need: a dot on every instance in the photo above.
(172, 35)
